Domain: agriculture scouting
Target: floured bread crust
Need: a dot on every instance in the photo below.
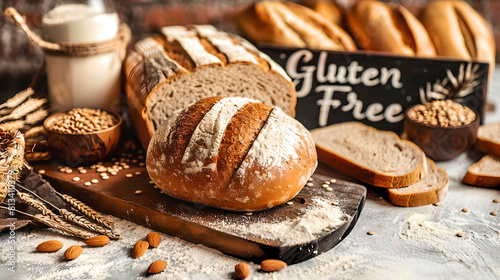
(231, 153)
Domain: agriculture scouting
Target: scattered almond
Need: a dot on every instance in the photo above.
(49, 246)
(97, 241)
(140, 249)
(73, 252)
(157, 266)
(271, 265)
(242, 270)
(154, 239)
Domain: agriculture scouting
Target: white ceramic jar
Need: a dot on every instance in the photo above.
(87, 81)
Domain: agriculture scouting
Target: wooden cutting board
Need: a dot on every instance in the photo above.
(315, 221)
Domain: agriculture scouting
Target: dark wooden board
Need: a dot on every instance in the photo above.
(209, 226)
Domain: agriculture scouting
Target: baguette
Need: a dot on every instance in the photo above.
(488, 139)
(292, 25)
(379, 158)
(458, 31)
(431, 189)
(484, 173)
(389, 28)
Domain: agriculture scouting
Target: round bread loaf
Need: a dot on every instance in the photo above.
(231, 153)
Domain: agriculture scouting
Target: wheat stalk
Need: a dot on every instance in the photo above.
(22, 110)
(17, 99)
(34, 132)
(86, 210)
(66, 214)
(38, 115)
(47, 212)
(13, 125)
(54, 225)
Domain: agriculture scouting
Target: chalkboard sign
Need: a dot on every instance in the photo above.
(375, 89)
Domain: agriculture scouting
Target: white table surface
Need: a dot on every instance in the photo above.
(409, 243)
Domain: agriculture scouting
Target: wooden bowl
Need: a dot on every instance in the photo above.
(74, 149)
(441, 143)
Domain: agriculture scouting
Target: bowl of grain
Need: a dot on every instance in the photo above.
(82, 135)
(443, 129)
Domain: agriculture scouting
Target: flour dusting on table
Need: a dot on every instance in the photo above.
(304, 228)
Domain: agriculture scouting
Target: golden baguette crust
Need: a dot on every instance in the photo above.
(354, 169)
(388, 28)
(414, 195)
(231, 153)
(327, 9)
(458, 31)
(292, 25)
(472, 177)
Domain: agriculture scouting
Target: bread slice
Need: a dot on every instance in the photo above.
(431, 189)
(488, 139)
(379, 158)
(484, 173)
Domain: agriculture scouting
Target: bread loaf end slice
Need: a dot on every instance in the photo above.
(488, 139)
(431, 189)
(484, 173)
(379, 158)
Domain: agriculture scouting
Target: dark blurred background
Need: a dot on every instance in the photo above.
(20, 59)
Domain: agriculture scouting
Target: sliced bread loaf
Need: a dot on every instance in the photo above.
(182, 65)
(431, 189)
(484, 173)
(379, 158)
(488, 138)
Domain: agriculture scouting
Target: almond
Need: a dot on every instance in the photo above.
(154, 239)
(73, 252)
(157, 266)
(242, 270)
(139, 249)
(272, 265)
(97, 241)
(49, 246)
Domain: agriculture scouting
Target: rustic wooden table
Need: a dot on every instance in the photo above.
(409, 243)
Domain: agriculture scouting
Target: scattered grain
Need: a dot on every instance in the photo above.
(83, 171)
(248, 213)
(493, 213)
(76, 179)
(465, 210)
(138, 192)
(335, 203)
(496, 200)
(289, 202)
(41, 171)
(137, 173)
(94, 181)
(370, 232)
(309, 184)
(333, 180)
(460, 234)
(87, 183)
(129, 175)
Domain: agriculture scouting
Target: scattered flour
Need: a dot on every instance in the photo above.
(299, 229)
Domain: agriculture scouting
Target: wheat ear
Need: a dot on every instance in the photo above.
(54, 225)
(38, 115)
(34, 132)
(47, 212)
(13, 125)
(70, 216)
(17, 99)
(22, 110)
(86, 210)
